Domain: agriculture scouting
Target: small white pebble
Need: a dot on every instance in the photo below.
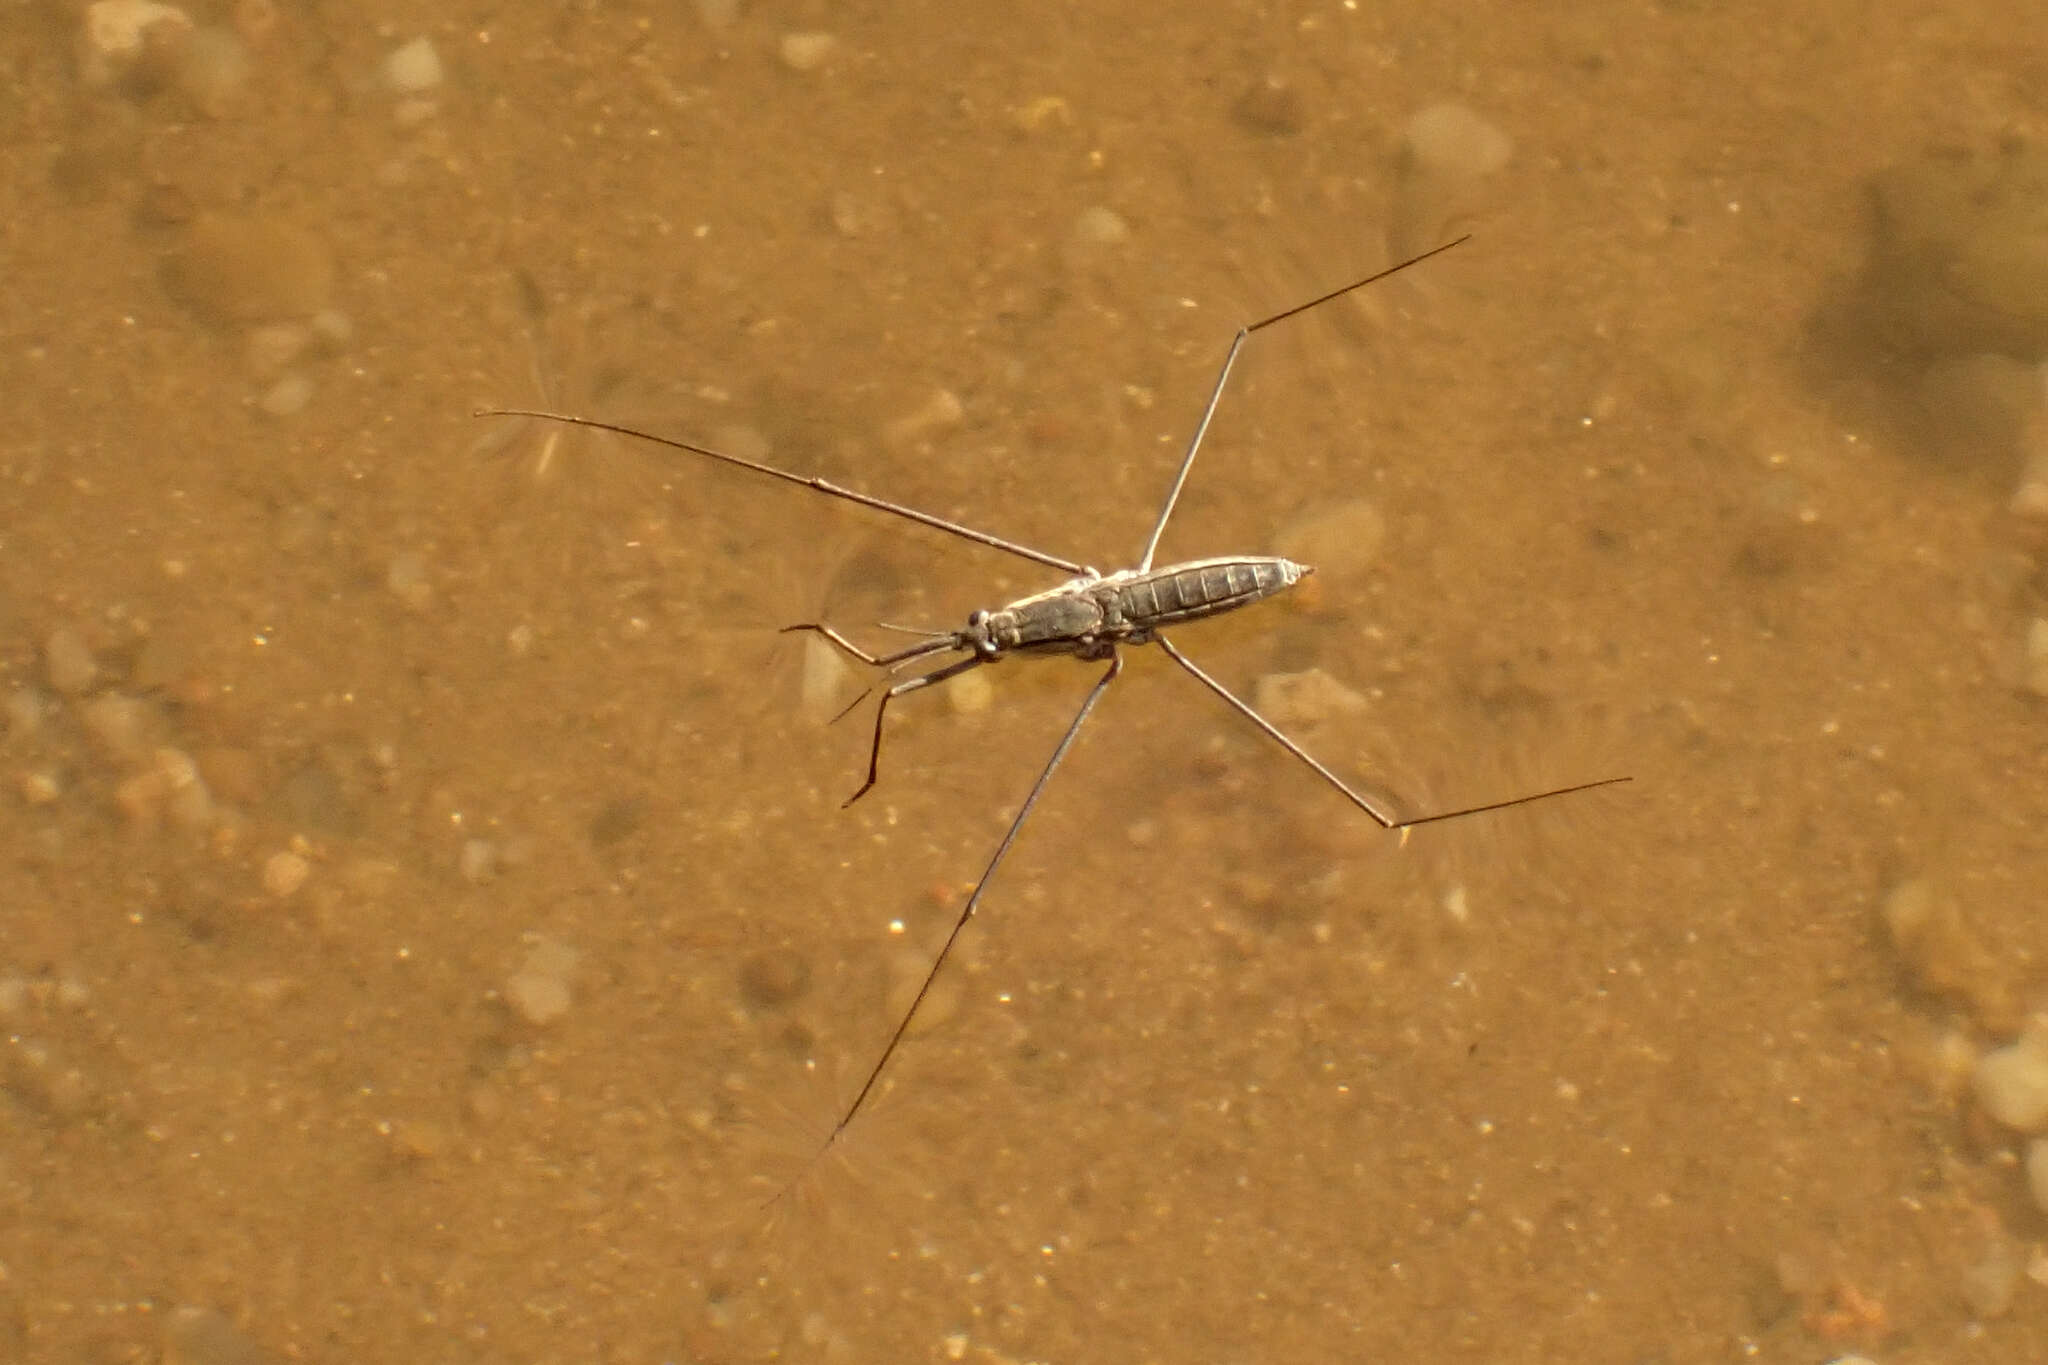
(284, 873)
(334, 328)
(1101, 226)
(2012, 1082)
(539, 999)
(478, 861)
(539, 990)
(413, 69)
(188, 802)
(117, 34)
(1449, 139)
(270, 349)
(1458, 905)
(287, 397)
(807, 51)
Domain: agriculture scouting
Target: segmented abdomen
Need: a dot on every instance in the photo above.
(1203, 587)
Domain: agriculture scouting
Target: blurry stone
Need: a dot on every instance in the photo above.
(1942, 953)
(406, 577)
(272, 346)
(412, 69)
(130, 42)
(477, 862)
(806, 51)
(287, 397)
(284, 873)
(202, 1336)
(1451, 140)
(1447, 154)
(539, 992)
(2012, 1082)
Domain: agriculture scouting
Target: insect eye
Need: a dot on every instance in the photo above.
(977, 619)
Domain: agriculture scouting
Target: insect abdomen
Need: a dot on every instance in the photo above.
(1203, 587)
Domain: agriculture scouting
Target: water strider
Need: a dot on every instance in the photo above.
(1088, 616)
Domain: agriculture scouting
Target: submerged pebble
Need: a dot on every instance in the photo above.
(540, 990)
(806, 51)
(333, 329)
(284, 873)
(412, 69)
(2012, 1082)
(202, 1336)
(288, 397)
(272, 346)
(1942, 951)
(1447, 153)
(1098, 225)
(406, 577)
(477, 863)
(1449, 139)
(121, 40)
